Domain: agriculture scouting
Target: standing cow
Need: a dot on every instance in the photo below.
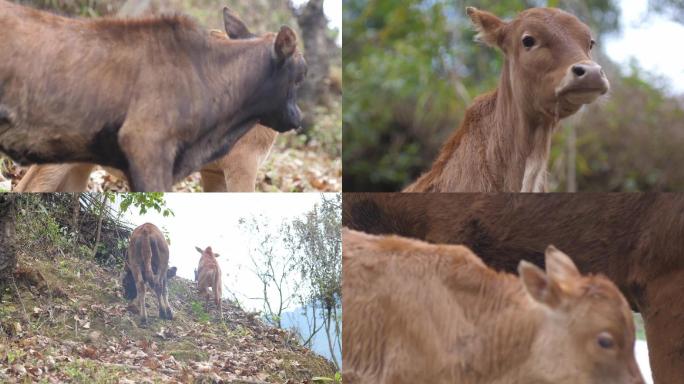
(208, 274)
(148, 262)
(636, 240)
(157, 98)
(504, 141)
(421, 313)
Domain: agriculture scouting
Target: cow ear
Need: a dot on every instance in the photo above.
(538, 285)
(489, 27)
(285, 43)
(560, 268)
(235, 28)
(171, 272)
(199, 249)
(216, 254)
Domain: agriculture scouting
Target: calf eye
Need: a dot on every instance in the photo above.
(605, 340)
(528, 41)
(591, 44)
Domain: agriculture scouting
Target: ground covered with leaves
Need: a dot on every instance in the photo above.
(63, 319)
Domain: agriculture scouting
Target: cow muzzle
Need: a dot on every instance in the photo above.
(583, 82)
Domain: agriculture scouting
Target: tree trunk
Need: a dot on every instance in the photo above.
(318, 49)
(103, 205)
(8, 256)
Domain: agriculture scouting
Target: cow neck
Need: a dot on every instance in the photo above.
(520, 136)
(507, 321)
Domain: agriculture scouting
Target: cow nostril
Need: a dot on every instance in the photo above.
(578, 70)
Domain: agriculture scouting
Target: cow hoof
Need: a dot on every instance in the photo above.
(169, 314)
(143, 323)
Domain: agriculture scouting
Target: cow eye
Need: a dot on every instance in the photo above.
(591, 44)
(528, 41)
(605, 340)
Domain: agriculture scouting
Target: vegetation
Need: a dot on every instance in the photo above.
(63, 317)
(411, 68)
(300, 265)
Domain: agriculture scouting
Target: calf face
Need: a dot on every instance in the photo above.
(549, 52)
(587, 323)
(276, 98)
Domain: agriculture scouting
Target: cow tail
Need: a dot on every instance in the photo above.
(146, 253)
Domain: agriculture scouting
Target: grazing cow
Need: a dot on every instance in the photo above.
(636, 240)
(147, 262)
(504, 140)
(421, 313)
(106, 98)
(208, 274)
(235, 172)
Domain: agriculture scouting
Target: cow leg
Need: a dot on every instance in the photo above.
(163, 300)
(212, 179)
(150, 158)
(663, 314)
(140, 286)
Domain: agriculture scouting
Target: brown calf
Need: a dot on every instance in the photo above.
(636, 240)
(421, 313)
(504, 140)
(115, 105)
(235, 172)
(208, 274)
(148, 262)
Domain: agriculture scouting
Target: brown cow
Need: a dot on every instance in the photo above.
(235, 172)
(148, 262)
(504, 140)
(208, 274)
(421, 313)
(106, 95)
(636, 240)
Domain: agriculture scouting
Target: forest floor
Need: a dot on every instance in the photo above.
(64, 320)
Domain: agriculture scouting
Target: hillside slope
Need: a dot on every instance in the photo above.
(70, 323)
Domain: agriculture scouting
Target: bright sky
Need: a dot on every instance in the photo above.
(650, 41)
(211, 219)
(333, 11)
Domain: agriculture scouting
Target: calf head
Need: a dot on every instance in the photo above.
(585, 315)
(548, 66)
(275, 101)
(208, 252)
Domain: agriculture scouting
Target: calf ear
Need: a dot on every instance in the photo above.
(199, 249)
(285, 43)
(538, 285)
(235, 28)
(489, 27)
(560, 268)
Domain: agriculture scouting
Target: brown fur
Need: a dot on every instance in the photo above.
(636, 240)
(114, 106)
(422, 313)
(235, 172)
(148, 262)
(504, 140)
(209, 275)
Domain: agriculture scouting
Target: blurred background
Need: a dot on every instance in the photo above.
(411, 68)
(308, 161)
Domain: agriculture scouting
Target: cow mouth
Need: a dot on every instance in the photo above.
(581, 95)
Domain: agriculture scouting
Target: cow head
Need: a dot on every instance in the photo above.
(207, 251)
(548, 67)
(587, 317)
(276, 101)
